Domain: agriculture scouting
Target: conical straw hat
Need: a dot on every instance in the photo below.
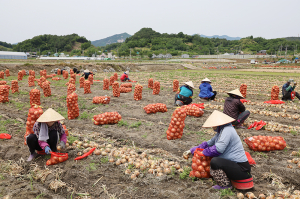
(206, 80)
(217, 118)
(190, 83)
(86, 71)
(236, 92)
(50, 115)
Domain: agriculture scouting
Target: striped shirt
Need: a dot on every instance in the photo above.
(233, 107)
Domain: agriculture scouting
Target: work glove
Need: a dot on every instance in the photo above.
(47, 150)
(62, 144)
(186, 154)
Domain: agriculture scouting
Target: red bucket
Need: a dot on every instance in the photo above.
(243, 184)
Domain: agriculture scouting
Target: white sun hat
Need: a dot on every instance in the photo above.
(206, 80)
(127, 72)
(236, 92)
(86, 71)
(189, 83)
(50, 115)
(217, 118)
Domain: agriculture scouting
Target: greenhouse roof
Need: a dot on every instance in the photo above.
(12, 53)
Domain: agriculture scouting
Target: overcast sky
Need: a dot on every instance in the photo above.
(97, 19)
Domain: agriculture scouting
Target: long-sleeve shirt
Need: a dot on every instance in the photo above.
(287, 88)
(205, 90)
(185, 91)
(229, 144)
(56, 126)
(233, 107)
(123, 76)
(86, 75)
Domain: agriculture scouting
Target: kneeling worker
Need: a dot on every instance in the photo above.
(124, 77)
(185, 94)
(287, 90)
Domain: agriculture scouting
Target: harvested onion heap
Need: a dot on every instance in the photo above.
(176, 125)
(23, 72)
(73, 76)
(65, 74)
(91, 79)
(243, 90)
(32, 73)
(107, 118)
(72, 104)
(125, 90)
(35, 97)
(20, 76)
(71, 72)
(31, 81)
(33, 114)
(111, 80)
(105, 84)
(87, 87)
(58, 72)
(265, 143)
(116, 89)
(1, 74)
(71, 89)
(46, 89)
(43, 73)
(116, 76)
(200, 165)
(150, 83)
(101, 100)
(71, 81)
(41, 81)
(2, 82)
(126, 85)
(154, 108)
(193, 110)
(4, 92)
(175, 85)
(81, 82)
(156, 88)
(138, 90)
(274, 92)
(7, 73)
(14, 86)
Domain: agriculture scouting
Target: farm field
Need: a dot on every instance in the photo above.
(145, 136)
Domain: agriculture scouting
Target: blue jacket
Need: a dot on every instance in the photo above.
(205, 90)
(229, 144)
(287, 88)
(186, 91)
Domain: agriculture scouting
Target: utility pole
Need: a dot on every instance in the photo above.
(286, 50)
(130, 54)
(280, 49)
(56, 50)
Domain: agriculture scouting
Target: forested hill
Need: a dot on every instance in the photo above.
(147, 41)
(293, 38)
(5, 46)
(111, 39)
(51, 43)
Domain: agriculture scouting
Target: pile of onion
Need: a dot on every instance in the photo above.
(2, 82)
(91, 79)
(175, 85)
(24, 72)
(107, 118)
(58, 72)
(111, 80)
(200, 165)
(87, 87)
(57, 158)
(4, 92)
(81, 82)
(156, 88)
(14, 86)
(65, 74)
(71, 72)
(71, 81)
(35, 97)
(101, 100)
(116, 76)
(73, 76)
(1, 75)
(275, 92)
(116, 89)
(32, 73)
(33, 114)
(154, 108)
(176, 125)
(138, 90)
(7, 73)
(20, 76)
(125, 90)
(127, 85)
(56, 78)
(265, 143)
(150, 83)
(193, 110)
(43, 73)
(31, 81)
(41, 81)
(46, 89)
(243, 90)
(71, 89)
(72, 104)
(105, 84)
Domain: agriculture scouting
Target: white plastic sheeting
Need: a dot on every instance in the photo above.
(12, 55)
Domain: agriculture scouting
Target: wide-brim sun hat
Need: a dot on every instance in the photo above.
(127, 72)
(217, 118)
(190, 84)
(206, 80)
(50, 115)
(290, 80)
(236, 92)
(86, 71)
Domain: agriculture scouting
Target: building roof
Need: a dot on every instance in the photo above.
(12, 53)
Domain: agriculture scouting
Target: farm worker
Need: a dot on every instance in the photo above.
(124, 76)
(185, 94)
(206, 91)
(229, 160)
(287, 89)
(86, 74)
(48, 131)
(75, 70)
(234, 108)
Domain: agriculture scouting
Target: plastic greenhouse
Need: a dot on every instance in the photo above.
(12, 55)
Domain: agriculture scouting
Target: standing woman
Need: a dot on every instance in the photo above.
(48, 132)
(229, 160)
(185, 94)
(206, 91)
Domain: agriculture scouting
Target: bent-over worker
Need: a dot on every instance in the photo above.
(86, 74)
(185, 94)
(287, 90)
(124, 77)
(206, 91)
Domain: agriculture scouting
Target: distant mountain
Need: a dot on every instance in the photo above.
(293, 38)
(222, 37)
(118, 38)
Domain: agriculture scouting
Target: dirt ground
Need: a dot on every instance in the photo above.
(95, 178)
